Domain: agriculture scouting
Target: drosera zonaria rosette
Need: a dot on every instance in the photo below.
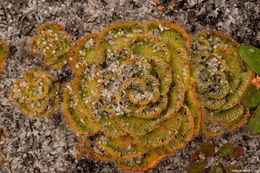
(54, 43)
(221, 80)
(128, 102)
(3, 54)
(138, 97)
(36, 94)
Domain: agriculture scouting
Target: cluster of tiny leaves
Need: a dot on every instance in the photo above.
(3, 54)
(207, 151)
(36, 94)
(54, 43)
(139, 97)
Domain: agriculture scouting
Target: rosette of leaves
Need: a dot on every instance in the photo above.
(222, 78)
(54, 43)
(3, 54)
(133, 100)
(36, 94)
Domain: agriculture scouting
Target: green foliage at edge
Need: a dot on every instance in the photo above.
(254, 123)
(251, 55)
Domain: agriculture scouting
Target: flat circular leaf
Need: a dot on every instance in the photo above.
(144, 162)
(226, 150)
(185, 132)
(225, 116)
(210, 128)
(76, 116)
(218, 38)
(147, 45)
(231, 57)
(49, 27)
(85, 87)
(134, 125)
(93, 149)
(154, 109)
(164, 132)
(104, 120)
(238, 122)
(84, 53)
(180, 66)
(115, 36)
(169, 32)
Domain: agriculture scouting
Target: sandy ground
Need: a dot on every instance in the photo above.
(35, 144)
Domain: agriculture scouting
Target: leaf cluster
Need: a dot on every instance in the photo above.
(251, 55)
(207, 151)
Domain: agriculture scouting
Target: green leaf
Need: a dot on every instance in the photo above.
(197, 167)
(216, 169)
(254, 126)
(252, 96)
(254, 123)
(226, 150)
(251, 55)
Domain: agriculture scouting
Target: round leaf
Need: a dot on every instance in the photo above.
(251, 55)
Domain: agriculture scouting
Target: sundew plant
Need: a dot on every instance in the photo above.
(37, 93)
(54, 43)
(142, 91)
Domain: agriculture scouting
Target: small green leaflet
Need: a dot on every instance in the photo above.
(254, 123)
(251, 55)
(252, 97)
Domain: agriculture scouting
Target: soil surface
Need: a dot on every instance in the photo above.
(46, 145)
